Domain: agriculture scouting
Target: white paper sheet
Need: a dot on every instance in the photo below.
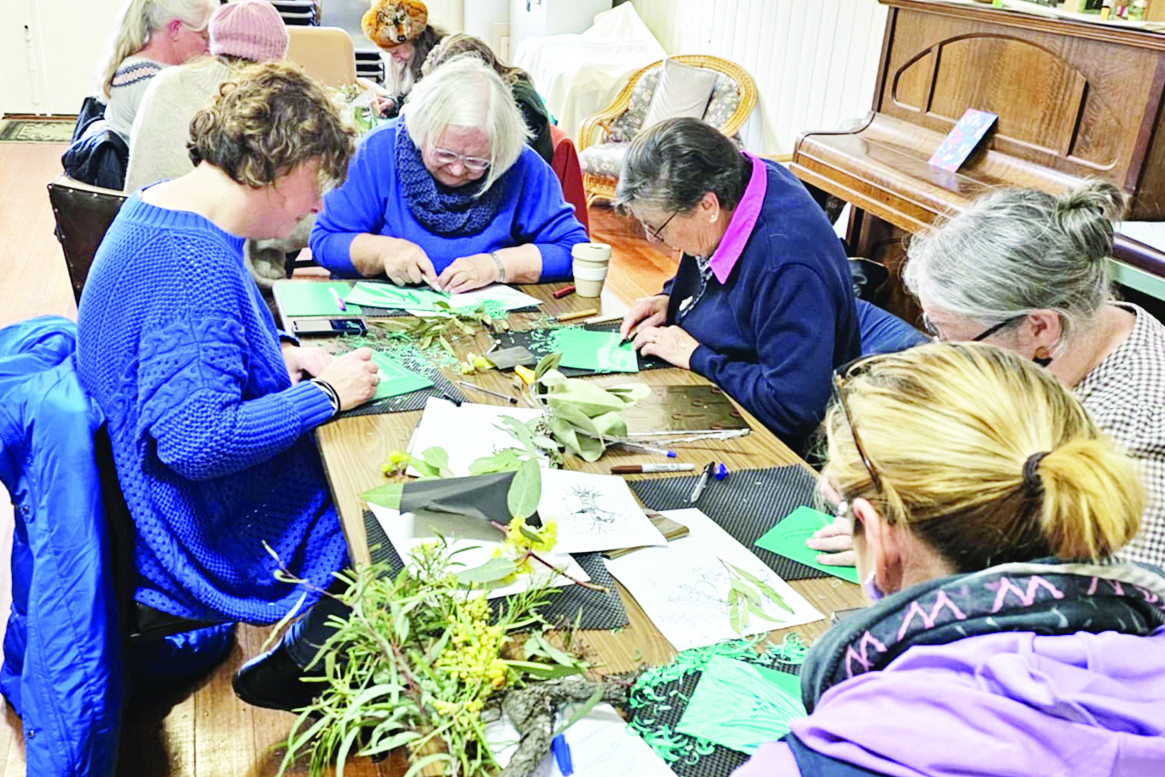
(467, 433)
(594, 512)
(506, 296)
(476, 540)
(600, 746)
(684, 587)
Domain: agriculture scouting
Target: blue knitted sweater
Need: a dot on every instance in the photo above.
(370, 201)
(210, 438)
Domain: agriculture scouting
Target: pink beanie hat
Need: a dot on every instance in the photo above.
(248, 29)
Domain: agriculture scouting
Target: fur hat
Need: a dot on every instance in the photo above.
(389, 23)
(248, 29)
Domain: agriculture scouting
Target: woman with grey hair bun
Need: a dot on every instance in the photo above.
(762, 303)
(450, 194)
(1026, 271)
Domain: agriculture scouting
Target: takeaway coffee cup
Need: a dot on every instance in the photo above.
(590, 262)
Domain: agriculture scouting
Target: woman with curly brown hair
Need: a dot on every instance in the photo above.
(209, 414)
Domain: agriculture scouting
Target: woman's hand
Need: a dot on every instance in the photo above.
(647, 311)
(403, 261)
(837, 541)
(304, 362)
(468, 273)
(353, 376)
(670, 343)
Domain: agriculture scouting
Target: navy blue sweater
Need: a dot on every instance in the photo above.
(772, 335)
(210, 439)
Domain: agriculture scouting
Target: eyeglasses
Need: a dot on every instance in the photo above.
(473, 164)
(843, 374)
(992, 330)
(933, 330)
(657, 232)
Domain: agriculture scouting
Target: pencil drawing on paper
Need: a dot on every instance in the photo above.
(588, 512)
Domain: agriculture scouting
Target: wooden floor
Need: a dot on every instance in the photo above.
(199, 731)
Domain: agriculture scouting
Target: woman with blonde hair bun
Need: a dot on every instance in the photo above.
(1003, 640)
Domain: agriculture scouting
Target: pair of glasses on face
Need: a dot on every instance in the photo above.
(933, 330)
(657, 232)
(843, 374)
(474, 164)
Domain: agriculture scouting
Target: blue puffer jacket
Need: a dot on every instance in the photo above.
(62, 670)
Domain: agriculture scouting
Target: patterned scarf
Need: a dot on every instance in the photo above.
(1047, 597)
(444, 211)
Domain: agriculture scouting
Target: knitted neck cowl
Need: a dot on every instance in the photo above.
(1047, 597)
(442, 210)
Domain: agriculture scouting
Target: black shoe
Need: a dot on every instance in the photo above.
(273, 680)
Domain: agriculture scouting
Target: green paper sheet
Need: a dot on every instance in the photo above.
(741, 705)
(598, 351)
(788, 537)
(395, 379)
(388, 295)
(310, 298)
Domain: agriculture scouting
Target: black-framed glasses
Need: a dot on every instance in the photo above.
(1001, 325)
(657, 232)
(840, 376)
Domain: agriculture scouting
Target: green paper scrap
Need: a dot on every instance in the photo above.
(311, 298)
(741, 705)
(788, 537)
(599, 351)
(395, 378)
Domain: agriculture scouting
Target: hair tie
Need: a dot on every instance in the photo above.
(1031, 471)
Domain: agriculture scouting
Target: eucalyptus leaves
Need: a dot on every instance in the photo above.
(583, 417)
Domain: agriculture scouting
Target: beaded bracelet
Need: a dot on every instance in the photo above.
(501, 267)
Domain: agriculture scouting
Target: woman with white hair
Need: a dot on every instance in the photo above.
(450, 194)
(152, 35)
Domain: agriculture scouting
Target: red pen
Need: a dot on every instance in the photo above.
(560, 293)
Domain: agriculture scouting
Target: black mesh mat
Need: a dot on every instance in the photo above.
(414, 400)
(537, 342)
(746, 504)
(599, 610)
(660, 707)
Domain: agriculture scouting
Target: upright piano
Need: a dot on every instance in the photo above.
(1075, 100)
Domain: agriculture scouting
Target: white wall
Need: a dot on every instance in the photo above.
(814, 61)
(49, 52)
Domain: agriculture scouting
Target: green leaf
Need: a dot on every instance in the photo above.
(525, 490)
(490, 572)
(544, 671)
(544, 648)
(421, 763)
(505, 460)
(580, 712)
(388, 495)
(548, 362)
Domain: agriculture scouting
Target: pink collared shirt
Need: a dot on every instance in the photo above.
(741, 224)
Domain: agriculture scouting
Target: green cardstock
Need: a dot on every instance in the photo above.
(741, 705)
(388, 295)
(598, 351)
(310, 298)
(395, 379)
(788, 539)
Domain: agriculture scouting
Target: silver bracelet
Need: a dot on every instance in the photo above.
(501, 267)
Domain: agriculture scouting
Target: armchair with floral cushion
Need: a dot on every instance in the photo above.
(605, 136)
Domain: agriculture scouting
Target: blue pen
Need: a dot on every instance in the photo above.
(561, 752)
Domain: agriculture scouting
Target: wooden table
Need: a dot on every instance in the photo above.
(353, 450)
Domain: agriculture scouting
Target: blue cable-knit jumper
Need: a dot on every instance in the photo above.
(209, 436)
